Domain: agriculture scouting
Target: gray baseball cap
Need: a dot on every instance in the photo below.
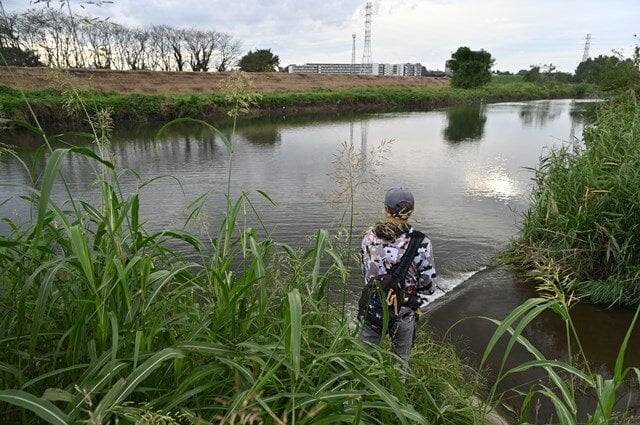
(398, 199)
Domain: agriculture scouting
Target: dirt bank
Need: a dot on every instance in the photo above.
(154, 82)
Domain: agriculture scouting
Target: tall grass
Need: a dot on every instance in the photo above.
(103, 321)
(582, 225)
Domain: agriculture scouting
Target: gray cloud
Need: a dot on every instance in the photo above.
(518, 33)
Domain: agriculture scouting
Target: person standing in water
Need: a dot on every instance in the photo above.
(383, 247)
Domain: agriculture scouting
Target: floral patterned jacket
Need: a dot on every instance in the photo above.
(382, 248)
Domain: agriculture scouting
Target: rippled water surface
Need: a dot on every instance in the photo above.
(465, 166)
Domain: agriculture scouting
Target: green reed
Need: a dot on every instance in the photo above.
(103, 320)
(585, 210)
(579, 241)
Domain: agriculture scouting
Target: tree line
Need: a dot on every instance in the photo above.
(53, 38)
(473, 69)
(607, 72)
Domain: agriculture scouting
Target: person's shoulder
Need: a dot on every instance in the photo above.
(415, 230)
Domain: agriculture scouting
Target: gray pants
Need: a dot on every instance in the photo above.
(401, 332)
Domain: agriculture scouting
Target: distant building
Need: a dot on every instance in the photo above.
(402, 69)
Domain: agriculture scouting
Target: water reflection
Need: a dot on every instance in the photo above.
(495, 182)
(541, 113)
(465, 123)
(261, 134)
(585, 113)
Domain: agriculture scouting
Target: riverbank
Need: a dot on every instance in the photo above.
(159, 82)
(157, 97)
(581, 230)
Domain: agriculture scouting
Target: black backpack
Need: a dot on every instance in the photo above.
(391, 287)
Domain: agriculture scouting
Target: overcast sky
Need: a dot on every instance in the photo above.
(516, 33)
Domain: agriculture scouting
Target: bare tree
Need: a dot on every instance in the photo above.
(75, 52)
(8, 31)
(45, 28)
(121, 36)
(134, 51)
(100, 38)
(12, 51)
(160, 49)
(176, 39)
(200, 45)
(227, 52)
(68, 40)
(30, 35)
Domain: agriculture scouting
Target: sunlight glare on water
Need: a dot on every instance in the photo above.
(493, 183)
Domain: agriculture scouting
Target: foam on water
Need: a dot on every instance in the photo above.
(448, 283)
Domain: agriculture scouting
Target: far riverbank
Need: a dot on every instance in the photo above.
(49, 94)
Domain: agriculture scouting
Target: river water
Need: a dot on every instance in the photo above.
(466, 165)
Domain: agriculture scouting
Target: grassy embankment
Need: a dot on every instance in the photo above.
(49, 104)
(101, 321)
(582, 229)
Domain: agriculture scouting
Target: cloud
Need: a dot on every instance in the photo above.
(517, 33)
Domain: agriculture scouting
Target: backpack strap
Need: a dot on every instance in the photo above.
(400, 273)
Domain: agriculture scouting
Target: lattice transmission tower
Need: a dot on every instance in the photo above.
(366, 54)
(587, 43)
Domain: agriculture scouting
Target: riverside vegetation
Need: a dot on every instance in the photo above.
(103, 321)
(581, 229)
(579, 240)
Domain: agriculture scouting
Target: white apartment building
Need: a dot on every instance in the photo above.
(402, 69)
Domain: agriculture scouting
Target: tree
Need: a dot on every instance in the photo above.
(262, 60)
(609, 72)
(51, 37)
(227, 52)
(470, 68)
(176, 39)
(532, 75)
(200, 45)
(99, 38)
(11, 52)
(161, 48)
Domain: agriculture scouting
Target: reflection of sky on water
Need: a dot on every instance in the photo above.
(493, 183)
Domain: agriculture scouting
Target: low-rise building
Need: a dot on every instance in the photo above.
(403, 69)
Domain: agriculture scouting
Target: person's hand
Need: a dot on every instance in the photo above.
(389, 283)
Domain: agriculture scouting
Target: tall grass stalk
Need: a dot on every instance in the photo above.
(103, 321)
(356, 176)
